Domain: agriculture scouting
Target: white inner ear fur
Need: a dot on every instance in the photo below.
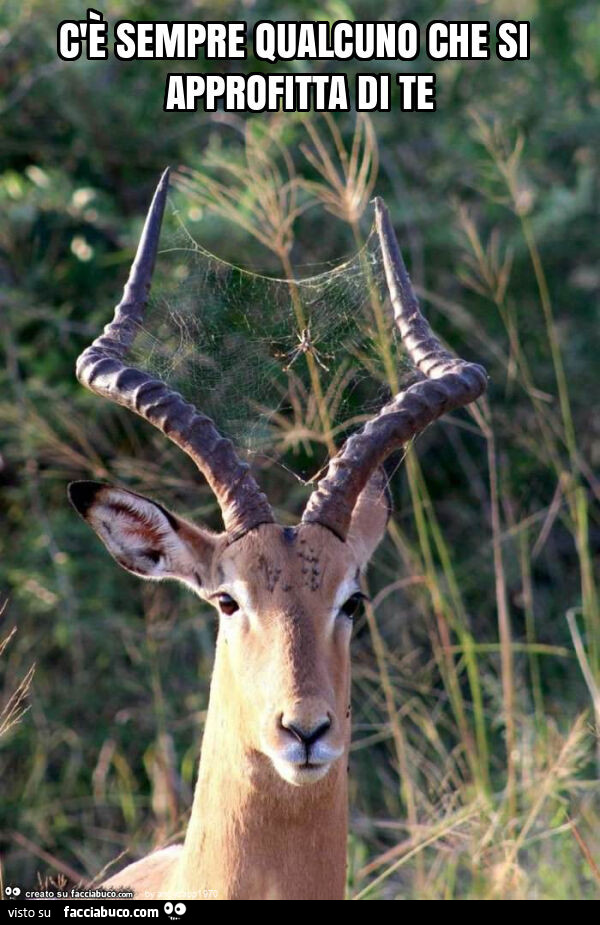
(139, 536)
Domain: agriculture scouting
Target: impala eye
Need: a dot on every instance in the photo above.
(350, 608)
(227, 605)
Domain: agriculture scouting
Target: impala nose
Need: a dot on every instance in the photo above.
(306, 744)
(307, 736)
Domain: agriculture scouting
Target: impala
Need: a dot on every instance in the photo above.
(269, 816)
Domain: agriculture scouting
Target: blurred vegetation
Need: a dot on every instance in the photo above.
(477, 666)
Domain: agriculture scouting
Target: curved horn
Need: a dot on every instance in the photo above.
(101, 368)
(446, 383)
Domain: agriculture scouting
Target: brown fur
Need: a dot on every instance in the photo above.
(283, 655)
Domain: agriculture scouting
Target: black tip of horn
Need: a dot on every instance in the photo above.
(140, 276)
(148, 246)
(387, 236)
(402, 294)
(383, 221)
(381, 211)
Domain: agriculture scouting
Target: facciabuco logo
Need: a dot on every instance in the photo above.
(175, 911)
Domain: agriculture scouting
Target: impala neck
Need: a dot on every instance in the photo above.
(252, 835)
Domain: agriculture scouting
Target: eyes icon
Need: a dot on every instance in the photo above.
(175, 911)
(13, 891)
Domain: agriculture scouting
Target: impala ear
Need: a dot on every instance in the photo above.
(142, 536)
(370, 516)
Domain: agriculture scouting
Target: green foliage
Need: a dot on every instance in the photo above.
(475, 743)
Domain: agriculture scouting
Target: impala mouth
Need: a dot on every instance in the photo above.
(300, 766)
(302, 774)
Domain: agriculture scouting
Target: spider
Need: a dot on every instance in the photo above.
(305, 345)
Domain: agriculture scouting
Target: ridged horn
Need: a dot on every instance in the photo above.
(103, 370)
(446, 383)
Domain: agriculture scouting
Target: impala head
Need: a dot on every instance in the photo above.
(286, 595)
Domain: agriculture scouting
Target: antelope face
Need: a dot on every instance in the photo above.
(286, 597)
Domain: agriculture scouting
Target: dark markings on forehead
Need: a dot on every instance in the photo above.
(271, 573)
(289, 535)
(311, 566)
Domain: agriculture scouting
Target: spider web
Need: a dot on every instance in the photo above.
(239, 345)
